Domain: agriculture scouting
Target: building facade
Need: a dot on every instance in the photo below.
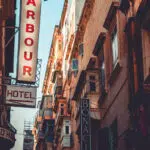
(44, 125)
(7, 30)
(98, 74)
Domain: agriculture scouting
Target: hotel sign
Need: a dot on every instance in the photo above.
(21, 96)
(28, 46)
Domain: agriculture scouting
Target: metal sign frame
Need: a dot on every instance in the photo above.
(85, 124)
(23, 98)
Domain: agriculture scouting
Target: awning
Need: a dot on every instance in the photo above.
(95, 113)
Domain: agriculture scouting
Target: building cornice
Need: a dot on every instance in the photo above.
(64, 11)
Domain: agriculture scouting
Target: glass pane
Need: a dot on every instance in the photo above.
(67, 129)
(92, 86)
(115, 46)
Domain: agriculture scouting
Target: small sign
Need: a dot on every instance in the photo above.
(6, 134)
(21, 96)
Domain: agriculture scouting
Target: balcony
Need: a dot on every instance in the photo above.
(67, 141)
(60, 116)
(39, 116)
(40, 134)
(56, 76)
(93, 63)
(57, 91)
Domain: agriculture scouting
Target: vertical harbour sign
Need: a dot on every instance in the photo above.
(28, 46)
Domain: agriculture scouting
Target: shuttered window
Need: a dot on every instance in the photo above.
(107, 137)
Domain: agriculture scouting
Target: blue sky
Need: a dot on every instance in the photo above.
(50, 16)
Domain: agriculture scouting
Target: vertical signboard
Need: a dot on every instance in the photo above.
(85, 143)
(28, 46)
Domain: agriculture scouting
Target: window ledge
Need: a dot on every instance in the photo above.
(92, 93)
(114, 73)
(112, 12)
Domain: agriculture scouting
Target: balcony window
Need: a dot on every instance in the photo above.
(62, 109)
(92, 83)
(114, 42)
(67, 130)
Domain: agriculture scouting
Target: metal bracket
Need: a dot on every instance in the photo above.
(13, 81)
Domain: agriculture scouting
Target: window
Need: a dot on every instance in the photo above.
(62, 105)
(114, 41)
(62, 111)
(67, 129)
(92, 83)
(81, 49)
(102, 76)
(66, 121)
(107, 137)
(75, 66)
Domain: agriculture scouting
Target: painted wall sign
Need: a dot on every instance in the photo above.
(29, 31)
(21, 96)
(6, 134)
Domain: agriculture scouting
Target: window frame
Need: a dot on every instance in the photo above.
(115, 50)
(92, 81)
(67, 128)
